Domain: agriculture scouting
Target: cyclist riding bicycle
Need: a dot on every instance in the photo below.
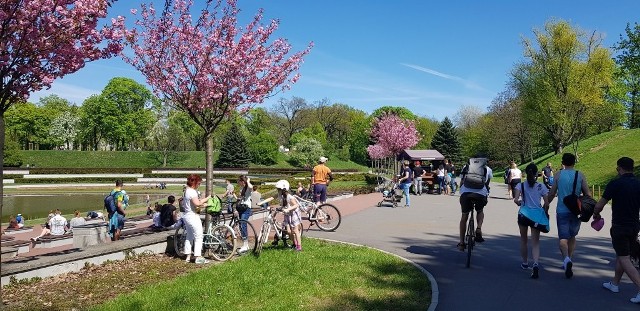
(474, 190)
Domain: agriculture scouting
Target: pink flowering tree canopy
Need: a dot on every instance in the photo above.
(210, 67)
(377, 152)
(41, 40)
(394, 134)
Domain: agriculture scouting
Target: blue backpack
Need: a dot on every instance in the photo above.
(110, 203)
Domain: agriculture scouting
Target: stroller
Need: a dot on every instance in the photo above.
(390, 191)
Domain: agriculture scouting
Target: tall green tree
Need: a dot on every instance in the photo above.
(629, 62)
(135, 111)
(263, 148)
(291, 116)
(28, 124)
(402, 112)
(234, 151)
(446, 141)
(99, 122)
(427, 127)
(359, 139)
(564, 78)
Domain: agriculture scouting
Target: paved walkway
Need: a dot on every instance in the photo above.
(427, 234)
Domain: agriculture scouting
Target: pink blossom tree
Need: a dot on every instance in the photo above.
(392, 135)
(41, 40)
(211, 67)
(377, 152)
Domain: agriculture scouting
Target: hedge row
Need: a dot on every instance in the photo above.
(71, 180)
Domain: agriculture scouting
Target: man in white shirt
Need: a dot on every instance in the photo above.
(57, 225)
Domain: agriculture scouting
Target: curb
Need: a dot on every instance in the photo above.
(435, 293)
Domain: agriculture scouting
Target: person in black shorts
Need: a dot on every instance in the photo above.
(468, 198)
(625, 225)
(547, 173)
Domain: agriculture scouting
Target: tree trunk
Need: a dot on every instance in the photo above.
(165, 154)
(2, 137)
(209, 156)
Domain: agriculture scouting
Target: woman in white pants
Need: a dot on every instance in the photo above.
(191, 219)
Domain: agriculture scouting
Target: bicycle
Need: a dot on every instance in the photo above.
(326, 216)
(269, 223)
(219, 240)
(470, 236)
(238, 226)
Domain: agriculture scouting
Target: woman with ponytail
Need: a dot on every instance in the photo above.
(532, 214)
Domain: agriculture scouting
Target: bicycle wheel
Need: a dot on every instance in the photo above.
(251, 238)
(470, 240)
(262, 238)
(178, 241)
(327, 217)
(224, 243)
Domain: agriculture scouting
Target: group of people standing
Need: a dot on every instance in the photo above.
(413, 174)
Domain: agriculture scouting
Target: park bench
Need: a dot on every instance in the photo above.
(22, 246)
(139, 218)
(49, 241)
(6, 238)
(8, 253)
(135, 232)
(20, 230)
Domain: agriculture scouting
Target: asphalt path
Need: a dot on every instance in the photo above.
(427, 234)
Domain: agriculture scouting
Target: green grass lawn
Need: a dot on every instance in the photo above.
(324, 276)
(142, 159)
(597, 156)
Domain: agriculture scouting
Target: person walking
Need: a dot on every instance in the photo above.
(547, 175)
(320, 178)
(515, 177)
(405, 181)
(191, 219)
(440, 176)
(474, 190)
(117, 218)
(531, 214)
(418, 173)
(568, 224)
(625, 193)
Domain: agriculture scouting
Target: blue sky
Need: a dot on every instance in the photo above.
(429, 56)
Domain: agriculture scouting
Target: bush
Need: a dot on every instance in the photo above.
(263, 149)
(12, 155)
(71, 180)
(306, 153)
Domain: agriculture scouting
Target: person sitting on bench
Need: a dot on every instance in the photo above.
(57, 225)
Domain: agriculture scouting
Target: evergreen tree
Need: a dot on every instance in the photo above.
(446, 141)
(234, 151)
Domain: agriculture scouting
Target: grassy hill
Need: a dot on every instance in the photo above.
(137, 159)
(597, 155)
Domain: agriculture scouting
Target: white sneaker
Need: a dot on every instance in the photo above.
(243, 249)
(201, 260)
(635, 299)
(610, 286)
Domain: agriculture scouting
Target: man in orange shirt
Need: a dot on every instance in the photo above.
(320, 178)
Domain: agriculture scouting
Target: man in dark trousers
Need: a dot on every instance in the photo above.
(625, 225)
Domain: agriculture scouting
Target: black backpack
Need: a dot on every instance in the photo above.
(476, 173)
(110, 203)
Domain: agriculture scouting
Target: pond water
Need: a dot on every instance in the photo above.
(38, 206)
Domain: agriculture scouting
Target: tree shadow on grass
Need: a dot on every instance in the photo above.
(409, 292)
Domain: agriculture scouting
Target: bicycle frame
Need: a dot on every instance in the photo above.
(470, 236)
